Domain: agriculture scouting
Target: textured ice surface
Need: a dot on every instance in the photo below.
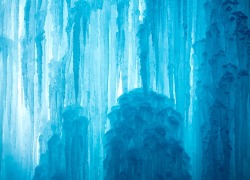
(144, 140)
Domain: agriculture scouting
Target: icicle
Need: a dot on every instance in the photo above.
(86, 10)
(28, 67)
(40, 21)
(122, 11)
(25, 51)
(3, 64)
(76, 48)
(154, 25)
(57, 10)
(143, 35)
(69, 22)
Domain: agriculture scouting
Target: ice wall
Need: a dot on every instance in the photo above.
(86, 53)
(222, 79)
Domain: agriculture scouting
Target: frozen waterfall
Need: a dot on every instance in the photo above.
(124, 89)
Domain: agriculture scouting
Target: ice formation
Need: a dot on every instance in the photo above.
(64, 63)
(144, 140)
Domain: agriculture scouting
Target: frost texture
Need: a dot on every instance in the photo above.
(79, 56)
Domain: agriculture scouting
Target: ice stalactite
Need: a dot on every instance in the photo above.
(40, 18)
(143, 35)
(86, 10)
(15, 67)
(76, 47)
(157, 18)
(57, 65)
(57, 9)
(28, 72)
(57, 12)
(180, 38)
(26, 41)
(122, 25)
(85, 20)
(4, 57)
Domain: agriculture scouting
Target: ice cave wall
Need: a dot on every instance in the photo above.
(56, 53)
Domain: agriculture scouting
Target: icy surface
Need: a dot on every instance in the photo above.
(64, 63)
